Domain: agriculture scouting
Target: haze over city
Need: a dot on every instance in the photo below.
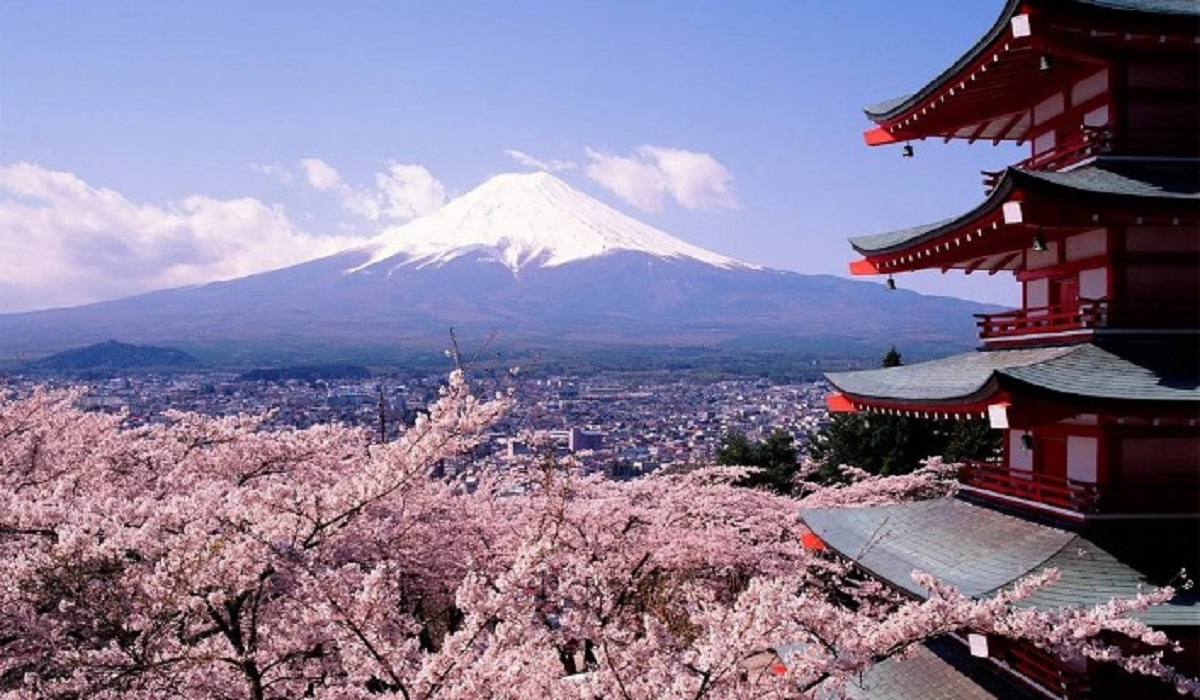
(146, 146)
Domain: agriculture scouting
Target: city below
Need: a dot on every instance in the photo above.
(623, 424)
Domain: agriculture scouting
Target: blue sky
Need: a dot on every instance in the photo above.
(147, 144)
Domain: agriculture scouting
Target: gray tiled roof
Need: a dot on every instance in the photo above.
(1162, 369)
(889, 108)
(980, 551)
(945, 379)
(1157, 179)
(1161, 7)
(973, 549)
(923, 676)
(1162, 181)
(1149, 370)
(883, 242)
(940, 669)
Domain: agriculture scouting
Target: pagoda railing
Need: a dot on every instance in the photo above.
(1043, 319)
(1047, 671)
(1087, 314)
(1060, 492)
(1147, 495)
(1087, 142)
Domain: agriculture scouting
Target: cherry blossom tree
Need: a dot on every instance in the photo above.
(211, 558)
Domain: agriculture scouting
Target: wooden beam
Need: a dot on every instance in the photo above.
(975, 265)
(978, 131)
(839, 403)
(878, 136)
(1008, 126)
(1003, 262)
(863, 267)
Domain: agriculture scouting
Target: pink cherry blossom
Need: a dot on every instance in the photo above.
(211, 558)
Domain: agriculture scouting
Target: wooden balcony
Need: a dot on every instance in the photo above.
(1167, 496)
(1076, 321)
(1042, 321)
(1076, 496)
(1088, 142)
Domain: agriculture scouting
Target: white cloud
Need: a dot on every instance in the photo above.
(68, 242)
(322, 175)
(408, 191)
(633, 180)
(652, 173)
(550, 166)
(401, 191)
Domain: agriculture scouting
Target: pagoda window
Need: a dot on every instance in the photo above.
(1037, 293)
(1098, 117)
(1082, 458)
(1093, 283)
(1091, 86)
(1043, 143)
(1049, 108)
(1019, 457)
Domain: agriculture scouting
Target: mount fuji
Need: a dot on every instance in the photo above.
(531, 260)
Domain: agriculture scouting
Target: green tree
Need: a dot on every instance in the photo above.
(775, 455)
(889, 445)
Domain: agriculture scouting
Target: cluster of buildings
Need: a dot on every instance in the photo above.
(622, 424)
(632, 424)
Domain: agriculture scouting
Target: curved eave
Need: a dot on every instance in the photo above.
(984, 94)
(904, 118)
(992, 236)
(1126, 376)
(919, 247)
(951, 386)
(967, 407)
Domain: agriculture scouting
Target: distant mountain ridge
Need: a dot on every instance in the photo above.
(112, 354)
(535, 262)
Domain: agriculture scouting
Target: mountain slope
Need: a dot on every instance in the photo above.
(529, 219)
(534, 261)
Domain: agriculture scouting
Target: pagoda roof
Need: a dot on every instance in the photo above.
(1130, 369)
(981, 551)
(939, 669)
(1009, 54)
(962, 377)
(1110, 179)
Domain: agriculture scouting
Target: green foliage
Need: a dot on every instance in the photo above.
(889, 445)
(776, 456)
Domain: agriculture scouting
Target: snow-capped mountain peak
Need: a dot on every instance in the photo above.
(523, 219)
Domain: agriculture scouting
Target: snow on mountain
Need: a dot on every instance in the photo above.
(522, 219)
(627, 284)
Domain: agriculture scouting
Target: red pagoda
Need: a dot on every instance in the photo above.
(1095, 380)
